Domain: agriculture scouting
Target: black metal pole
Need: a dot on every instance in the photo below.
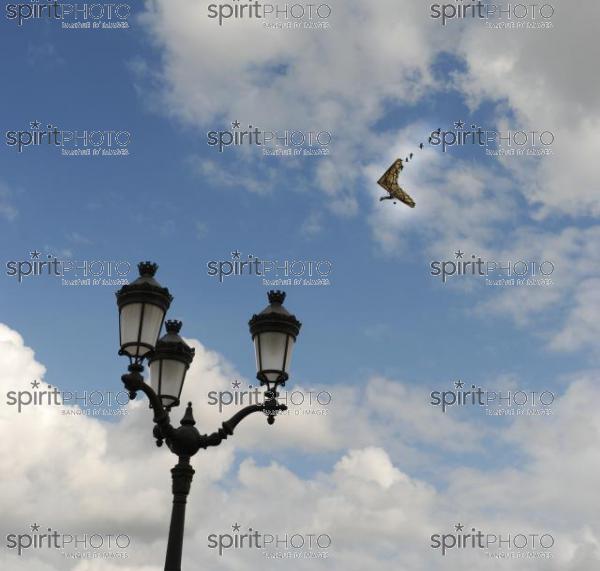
(182, 481)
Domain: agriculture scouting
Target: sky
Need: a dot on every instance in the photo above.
(380, 468)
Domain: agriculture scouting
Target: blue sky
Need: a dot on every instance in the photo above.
(380, 337)
(382, 314)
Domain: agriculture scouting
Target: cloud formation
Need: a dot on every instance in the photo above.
(85, 475)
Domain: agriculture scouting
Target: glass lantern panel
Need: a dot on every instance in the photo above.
(130, 326)
(173, 374)
(271, 346)
(290, 350)
(153, 318)
(155, 375)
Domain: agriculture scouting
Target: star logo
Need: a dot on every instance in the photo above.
(35, 384)
(236, 255)
(35, 527)
(236, 526)
(459, 124)
(236, 124)
(35, 255)
(236, 384)
(35, 125)
(459, 254)
(459, 385)
(459, 527)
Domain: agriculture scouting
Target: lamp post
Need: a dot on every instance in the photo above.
(143, 305)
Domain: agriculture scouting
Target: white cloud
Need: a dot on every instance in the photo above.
(81, 474)
(313, 225)
(545, 87)
(569, 308)
(339, 80)
(7, 208)
(459, 204)
(350, 79)
(582, 327)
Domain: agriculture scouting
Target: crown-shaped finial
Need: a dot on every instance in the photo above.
(173, 326)
(276, 296)
(147, 268)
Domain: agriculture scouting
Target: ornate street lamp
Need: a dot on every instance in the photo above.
(169, 363)
(142, 308)
(274, 331)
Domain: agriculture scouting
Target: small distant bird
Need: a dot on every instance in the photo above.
(389, 182)
(421, 145)
(410, 156)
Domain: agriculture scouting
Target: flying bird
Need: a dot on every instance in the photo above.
(389, 181)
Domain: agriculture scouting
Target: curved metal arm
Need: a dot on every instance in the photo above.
(228, 426)
(134, 382)
(185, 441)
